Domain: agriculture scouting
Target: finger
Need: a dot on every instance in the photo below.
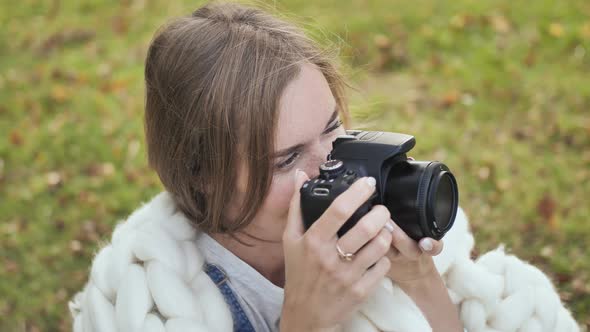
(405, 244)
(365, 229)
(294, 227)
(343, 207)
(372, 252)
(372, 278)
(431, 246)
(393, 254)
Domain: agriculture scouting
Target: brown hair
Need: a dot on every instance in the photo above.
(213, 85)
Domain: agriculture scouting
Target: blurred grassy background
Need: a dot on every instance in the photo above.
(498, 90)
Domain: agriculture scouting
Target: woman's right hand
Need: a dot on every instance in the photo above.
(322, 291)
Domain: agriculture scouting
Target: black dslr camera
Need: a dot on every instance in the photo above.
(422, 196)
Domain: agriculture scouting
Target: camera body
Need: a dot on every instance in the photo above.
(422, 196)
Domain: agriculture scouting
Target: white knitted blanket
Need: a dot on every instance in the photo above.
(150, 278)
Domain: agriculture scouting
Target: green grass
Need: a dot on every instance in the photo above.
(498, 90)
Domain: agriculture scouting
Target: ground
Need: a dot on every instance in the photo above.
(498, 90)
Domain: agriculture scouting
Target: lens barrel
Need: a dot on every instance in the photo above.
(422, 197)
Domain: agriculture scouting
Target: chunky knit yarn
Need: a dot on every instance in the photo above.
(151, 277)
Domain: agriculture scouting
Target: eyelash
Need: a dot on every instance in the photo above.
(334, 127)
(290, 161)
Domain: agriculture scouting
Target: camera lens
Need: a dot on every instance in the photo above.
(443, 207)
(422, 197)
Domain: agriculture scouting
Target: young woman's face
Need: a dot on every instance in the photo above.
(308, 124)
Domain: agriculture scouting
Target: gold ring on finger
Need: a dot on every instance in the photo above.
(346, 256)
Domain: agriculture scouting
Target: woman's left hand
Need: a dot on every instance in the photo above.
(413, 270)
(411, 260)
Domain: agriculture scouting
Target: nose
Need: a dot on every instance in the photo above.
(320, 152)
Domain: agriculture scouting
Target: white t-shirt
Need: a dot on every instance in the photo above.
(261, 300)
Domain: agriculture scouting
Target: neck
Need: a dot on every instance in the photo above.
(265, 257)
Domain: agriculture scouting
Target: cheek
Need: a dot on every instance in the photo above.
(279, 195)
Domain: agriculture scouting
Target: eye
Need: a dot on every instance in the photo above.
(333, 127)
(289, 161)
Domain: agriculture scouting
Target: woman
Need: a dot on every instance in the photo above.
(241, 109)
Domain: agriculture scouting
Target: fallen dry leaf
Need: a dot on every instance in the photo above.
(500, 24)
(556, 30)
(484, 173)
(523, 133)
(467, 99)
(117, 85)
(89, 231)
(33, 328)
(100, 169)
(546, 207)
(54, 179)
(104, 70)
(132, 149)
(579, 285)
(450, 98)
(76, 247)
(61, 294)
(458, 21)
(64, 75)
(61, 38)
(503, 185)
(385, 54)
(5, 309)
(530, 58)
(59, 224)
(16, 138)
(132, 175)
(585, 31)
(120, 24)
(11, 266)
(435, 60)
(547, 252)
(382, 42)
(59, 93)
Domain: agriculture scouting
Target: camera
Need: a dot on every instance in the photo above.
(422, 196)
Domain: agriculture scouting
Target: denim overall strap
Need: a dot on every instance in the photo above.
(241, 322)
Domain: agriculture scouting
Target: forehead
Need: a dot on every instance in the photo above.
(305, 107)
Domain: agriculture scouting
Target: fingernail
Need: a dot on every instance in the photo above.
(426, 244)
(389, 226)
(371, 181)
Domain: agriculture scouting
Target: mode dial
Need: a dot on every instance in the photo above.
(331, 169)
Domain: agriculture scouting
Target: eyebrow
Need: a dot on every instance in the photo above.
(297, 147)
